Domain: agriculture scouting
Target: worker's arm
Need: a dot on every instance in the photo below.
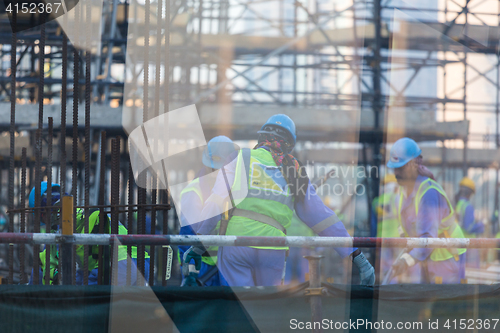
(433, 207)
(470, 226)
(321, 219)
(215, 204)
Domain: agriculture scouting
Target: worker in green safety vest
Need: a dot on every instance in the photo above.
(94, 227)
(464, 211)
(192, 199)
(425, 211)
(385, 212)
(262, 187)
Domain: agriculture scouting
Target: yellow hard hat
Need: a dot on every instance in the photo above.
(389, 178)
(469, 183)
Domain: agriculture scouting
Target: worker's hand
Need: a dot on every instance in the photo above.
(193, 253)
(366, 270)
(402, 264)
(190, 280)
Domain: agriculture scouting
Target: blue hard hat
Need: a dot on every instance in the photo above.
(217, 152)
(284, 122)
(403, 151)
(43, 188)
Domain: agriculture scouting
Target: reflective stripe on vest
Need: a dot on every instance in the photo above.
(267, 194)
(448, 227)
(386, 208)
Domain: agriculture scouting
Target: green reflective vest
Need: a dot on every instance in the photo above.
(93, 256)
(448, 227)
(386, 208)
(259, 187)
(210, 256)
(460, 213)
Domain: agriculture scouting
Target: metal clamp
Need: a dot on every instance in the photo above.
(315, 291)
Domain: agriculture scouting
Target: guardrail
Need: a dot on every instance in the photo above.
(292, 241)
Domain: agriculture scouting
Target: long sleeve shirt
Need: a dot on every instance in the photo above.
(432, 209)
(312, 211)
(469, 224)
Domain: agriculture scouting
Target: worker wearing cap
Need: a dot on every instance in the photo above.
(465, 216)
(192, 199)
(425, 212)
(265, 185)
(385, 220)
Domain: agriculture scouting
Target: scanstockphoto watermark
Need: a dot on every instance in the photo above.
(346, 180)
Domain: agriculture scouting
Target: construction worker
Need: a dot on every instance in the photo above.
(193, 196)
(426, 212)
(265, 185)
(94, 227)
(465, 216)
(385, 220)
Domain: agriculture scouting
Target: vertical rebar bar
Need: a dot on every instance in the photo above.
(102, 214)
(130, 217)
(166, 98)
(48, 213)
(88, 33)
(165, 232)
(36, 227)
(74, 157)
(64, 85)
(13, 70)
(115, 201)
(41, 69)
(153, 229)
(314, 287)
(22, 275)
(62, 138)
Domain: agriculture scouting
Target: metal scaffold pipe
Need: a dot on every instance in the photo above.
(292, 241)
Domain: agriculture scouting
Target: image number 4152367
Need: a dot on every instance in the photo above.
(31, 13)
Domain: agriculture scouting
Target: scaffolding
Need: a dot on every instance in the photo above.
(361, 58)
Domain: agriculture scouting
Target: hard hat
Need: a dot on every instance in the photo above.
(283, 122)
(389, 178)
(403, 151)
(217, 151)
(43, 188)
(469, 183)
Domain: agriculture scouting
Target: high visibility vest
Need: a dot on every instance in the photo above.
(210, 256)
(448, 227)
(460, 213)
(93, 256)
(267, 208)
(386, 208)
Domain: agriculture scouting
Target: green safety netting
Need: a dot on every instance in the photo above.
(220, 309)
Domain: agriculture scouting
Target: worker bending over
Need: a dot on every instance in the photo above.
(93, 254)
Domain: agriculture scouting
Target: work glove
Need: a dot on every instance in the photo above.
(190, 280)
(366, 270)
(190, 275)
(402, 264)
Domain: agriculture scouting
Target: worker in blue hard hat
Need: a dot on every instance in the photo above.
(264, 186)
(425, 211)
(192, 199)
(465, 215)
(94, 227)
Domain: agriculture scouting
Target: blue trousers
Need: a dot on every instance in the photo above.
(247, 266)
